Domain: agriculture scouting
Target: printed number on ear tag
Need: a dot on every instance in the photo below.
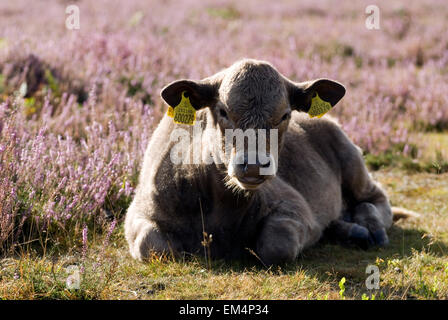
(319, 107)
(184, 112)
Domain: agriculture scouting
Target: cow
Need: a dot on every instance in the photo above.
(318, 184)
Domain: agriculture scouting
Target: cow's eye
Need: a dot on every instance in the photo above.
(223, 113)
(286, 116)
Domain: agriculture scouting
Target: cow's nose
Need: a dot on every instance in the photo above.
(251, 170)
(248, 169)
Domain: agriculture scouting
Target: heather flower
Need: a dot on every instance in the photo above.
(84, 242)
(109, 233)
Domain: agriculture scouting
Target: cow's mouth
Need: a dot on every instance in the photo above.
(250, 183)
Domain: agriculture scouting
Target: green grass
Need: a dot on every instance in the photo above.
(227, 13)
(413, 266)
(428, 152)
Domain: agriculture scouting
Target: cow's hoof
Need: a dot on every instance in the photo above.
(360, 236)
(277, 255)
(380, 238)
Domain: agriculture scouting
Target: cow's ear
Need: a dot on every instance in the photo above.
(301, 94)
(203, 93)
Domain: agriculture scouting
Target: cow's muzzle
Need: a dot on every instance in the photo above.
(250, 171)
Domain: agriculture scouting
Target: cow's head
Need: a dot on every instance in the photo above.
(252, 95)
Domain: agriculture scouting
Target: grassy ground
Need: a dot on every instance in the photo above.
(413, 266)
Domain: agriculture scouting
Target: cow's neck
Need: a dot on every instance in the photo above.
(235, 199)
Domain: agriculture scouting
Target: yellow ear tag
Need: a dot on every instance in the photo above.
(184, 112)
(319, 107)
(170, 112)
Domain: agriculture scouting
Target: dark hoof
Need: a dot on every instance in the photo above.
(360, 237)
(380, 238)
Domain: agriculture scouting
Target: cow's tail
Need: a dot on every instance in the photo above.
(402, 213)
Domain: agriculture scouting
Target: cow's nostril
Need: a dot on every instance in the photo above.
(266, 165)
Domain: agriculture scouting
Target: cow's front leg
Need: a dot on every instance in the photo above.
(281, 239)
(288, 228)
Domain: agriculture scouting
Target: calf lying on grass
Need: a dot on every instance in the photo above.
(318, 182)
